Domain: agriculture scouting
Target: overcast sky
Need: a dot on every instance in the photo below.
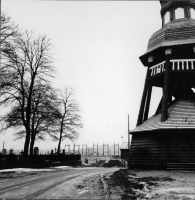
(96, 48)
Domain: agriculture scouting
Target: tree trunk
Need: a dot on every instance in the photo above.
(28, 114)
(32, 142)
(27, 141)
(60, 139)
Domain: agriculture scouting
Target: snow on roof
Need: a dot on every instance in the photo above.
(124, 145)
(181, 116)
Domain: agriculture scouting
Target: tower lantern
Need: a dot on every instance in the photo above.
(169, 135)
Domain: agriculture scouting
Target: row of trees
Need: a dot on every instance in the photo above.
(34, 108)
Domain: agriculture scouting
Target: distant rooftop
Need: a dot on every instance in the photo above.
(124, 145)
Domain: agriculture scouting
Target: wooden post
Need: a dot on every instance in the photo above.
(103, 149)
(128, 134)
(97, 150)
(145, 92)
(159, 106)
(141, 110)
(147, 106)
(164, 114)
(149, 92)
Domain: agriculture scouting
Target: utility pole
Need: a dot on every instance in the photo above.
(128, 134)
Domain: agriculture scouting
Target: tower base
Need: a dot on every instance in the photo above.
(157, 148)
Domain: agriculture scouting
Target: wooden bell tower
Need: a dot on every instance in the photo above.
(169, 135)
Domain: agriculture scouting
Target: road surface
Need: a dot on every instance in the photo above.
(71, 183)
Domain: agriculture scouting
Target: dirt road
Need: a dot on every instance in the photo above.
(97, 183)
(74, 183)
(151, 184)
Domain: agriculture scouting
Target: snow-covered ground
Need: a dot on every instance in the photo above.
(157, 184)
(18, 170)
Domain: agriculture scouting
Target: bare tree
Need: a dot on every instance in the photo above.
(8, 32)
(28, 64)
(68, 118)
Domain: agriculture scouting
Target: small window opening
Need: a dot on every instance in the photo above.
(167, 17)
(179, 13)
(192, 12)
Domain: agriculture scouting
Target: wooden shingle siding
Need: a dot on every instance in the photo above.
(181, 116)
(156, 149)
(183, 29)
(167, 3)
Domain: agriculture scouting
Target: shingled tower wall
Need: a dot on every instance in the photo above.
(169, 135)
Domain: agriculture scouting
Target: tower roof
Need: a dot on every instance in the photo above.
(181, 116)
(165, 4)
(176, 31)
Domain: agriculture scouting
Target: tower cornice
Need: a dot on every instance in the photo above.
(166, 4)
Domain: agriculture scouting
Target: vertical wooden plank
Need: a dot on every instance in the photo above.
(143, 100)
(147, 106)
(164, 115)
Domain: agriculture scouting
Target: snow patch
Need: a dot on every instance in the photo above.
(24, 170)
(62, 167)
(18, 170)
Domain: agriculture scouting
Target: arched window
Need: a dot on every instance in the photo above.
(167, 17)
(179, 13)
(192, 12)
